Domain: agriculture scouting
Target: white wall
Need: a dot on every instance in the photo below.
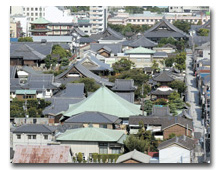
(174, 154)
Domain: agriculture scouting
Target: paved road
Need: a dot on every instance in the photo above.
(196, 111)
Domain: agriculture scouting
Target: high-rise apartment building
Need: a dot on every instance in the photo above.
(34, 12)
(98, 18)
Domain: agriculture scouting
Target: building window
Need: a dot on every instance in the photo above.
(103, 126)
(48, 90)
(36, 9)
(36, 14)
(32, 14)
(103, 148)
(18, 136)
(27, 9)
(142, 20)
(29, 136)
(116, 150)
(32, 9)
(34, 136)
(46, 137)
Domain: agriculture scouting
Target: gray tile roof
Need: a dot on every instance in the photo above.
(199, 40)
(86, 40)
(160, 55)
(30, 70)
(134, 155)
(170, 45)
(206, 80)
(34, 128)
(59, 104)
(93, 117)
(171, 30)
(143, 42)
(124, 85)
(164, 76)
(127, 96)
(182, 141)
(13, 72)
(113, 48)
(160, 92)
(160, 110)
(14, 84)
(54, 39)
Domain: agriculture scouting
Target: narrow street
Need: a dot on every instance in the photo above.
(196, 111)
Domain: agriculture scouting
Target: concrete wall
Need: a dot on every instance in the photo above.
(25, 141)
(174, 154)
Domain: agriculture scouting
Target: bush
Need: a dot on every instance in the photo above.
(97, 157)
(79, 157)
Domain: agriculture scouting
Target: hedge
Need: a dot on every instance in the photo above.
(97, 157)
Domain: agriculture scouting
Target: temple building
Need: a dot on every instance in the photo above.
(39, 27)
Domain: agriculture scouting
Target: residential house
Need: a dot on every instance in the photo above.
(125, 89)
(90, 140)
(96, 119)
(33, 134)
(134, 157)
(176, 150)
(25, 94)
(42, 154)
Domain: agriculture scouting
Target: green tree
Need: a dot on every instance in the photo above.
(57, 49)
(122, 65)
(173, 96)
(169, 61)
(178, 85)
(161, 101)
(90, 84)
(148, 105)
(25, 39)
(79, 157)
(134, 9)
(199, 22)
(203, 32)
(182, 25)
(32, 112)
(155, 66)
(133, 142)
(64, 61)
(172, 135)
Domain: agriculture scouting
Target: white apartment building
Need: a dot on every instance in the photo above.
(34, 12)
(188, 8)
(98, 18)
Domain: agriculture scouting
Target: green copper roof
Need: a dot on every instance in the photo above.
(25, 92)
(93, 134)
(105, 101)
(40, 21)
(140, 50)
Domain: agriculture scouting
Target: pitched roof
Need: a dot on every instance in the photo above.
(40, 20)
(124, 85)
(207, 79)
(162, 92)
(160, 110)
(182, 141)
(106, 101)
(14, 84)
(41, 154)
(34, 128)
(113, 48)
(86, 40)
(160, 55)
(143, 42)
(13, 72)
(92, 117)
(73, 90)
(158, 30)
(163, 77)
(129, 96)
(25, 92)
(140, 50)
(134, 155)
(92, 134)
(64, 39)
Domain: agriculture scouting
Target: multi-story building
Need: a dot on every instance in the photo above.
(34, 12)
(188, 8)
(98, 18)
(15, 29)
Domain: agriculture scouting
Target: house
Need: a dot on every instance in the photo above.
(74, 93)
(108, 36)
(25, 94)
(142, 57)
(105, 101)
(154, 157)
(90, 140)
(162, 126)
(142, 42)
(125, 89)
(42, 154)
(106, 50)
(164, 29)
(176, 150)
(134, 157)
(97, 119)
(33, 134)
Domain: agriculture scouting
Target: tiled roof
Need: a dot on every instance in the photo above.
(172, 31)
(113, 48)
(207, 79)
(15, 85)
(124, 85)
(134, 155)
(64, 39)
(160, 55)
(106, 101)
(40, 20)
(25, 92)
(73, 90)
(140, 50)
(92, 117)
(160, 92)
(160, 110)
(182, 141)
(41, 154)
(129, 96)
(86, 40)
(163, 77)
(143, 42)
(13, 71)
(92, 134)
(34, 128)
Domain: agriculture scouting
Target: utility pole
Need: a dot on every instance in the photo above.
(142, 99)
(204, 142)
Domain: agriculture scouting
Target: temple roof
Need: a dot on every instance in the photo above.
(40, 21)
(140, 50)
(163, 77)
(143, 42)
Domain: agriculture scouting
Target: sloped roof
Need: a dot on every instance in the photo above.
(163, 77)
(64, 39)
(182, 141)
(74, 90)
(160, 92)
(140, 50)
(172, 31)
(207, 79)
(106, 101)
(123, 85)
(143, 42)
(13, 71)
(160, 110)
(134, 155)
(25, 92)
(129, 96)
(41, 154)
(40, 20)
(113, 48)
(92, 117)
(177, 120)
(92, 134)
(14, 84)
(86, 40)
(160, 55)
(34, 128)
